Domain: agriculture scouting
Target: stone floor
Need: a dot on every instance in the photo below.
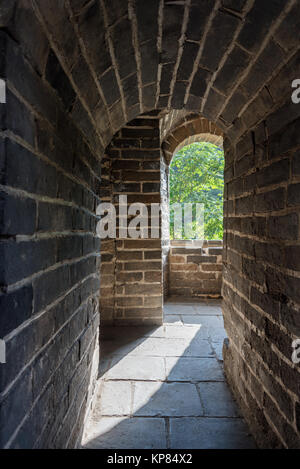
(165, 388)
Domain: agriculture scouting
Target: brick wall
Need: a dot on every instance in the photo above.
(195, 272)
(261, 263)
(49, 283)
(261, 280)
(131, 269)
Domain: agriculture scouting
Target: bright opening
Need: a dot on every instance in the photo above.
(197, 176)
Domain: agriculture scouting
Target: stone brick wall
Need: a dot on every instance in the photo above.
(195, 272)
(131, 269)
(49, 282)
(261, 261)
(261, 278)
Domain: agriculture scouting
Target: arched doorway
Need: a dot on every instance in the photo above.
(156, 369)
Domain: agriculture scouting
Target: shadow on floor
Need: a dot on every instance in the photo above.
(165, 388)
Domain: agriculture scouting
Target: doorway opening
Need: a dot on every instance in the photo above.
(196, 179)
(161, 381)
(193, 302)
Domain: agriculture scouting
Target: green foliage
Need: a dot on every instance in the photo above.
(197, 175)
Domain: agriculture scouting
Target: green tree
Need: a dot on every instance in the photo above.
(197, 175)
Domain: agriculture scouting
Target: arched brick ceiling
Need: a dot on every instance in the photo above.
(122, 58)
(190, 129)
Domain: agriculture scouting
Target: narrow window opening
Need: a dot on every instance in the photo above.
(197, 177)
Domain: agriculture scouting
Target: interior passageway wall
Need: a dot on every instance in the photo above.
(131, 269)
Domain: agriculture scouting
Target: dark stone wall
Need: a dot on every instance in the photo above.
(261, 267)
(49, 281)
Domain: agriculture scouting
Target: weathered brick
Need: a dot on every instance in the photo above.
(292, 257)
(201, 259)
(142, 266)
(285, 227)
(59, 80)
(293, 196)
(36, 256)
(290, 318)
(18, 119)
(271, 57)
(235, 64)
(17, 214)
(153, 277)
(274, 174)
(143, 289)
(270, 201)
(218, 43)
(16, 308)
(19, 399)
(257, 23)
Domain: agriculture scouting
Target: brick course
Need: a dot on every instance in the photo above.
(195, 272)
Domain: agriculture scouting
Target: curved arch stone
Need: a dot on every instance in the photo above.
(190, 129)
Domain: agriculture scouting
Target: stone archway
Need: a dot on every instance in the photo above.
(188, 130)
(76, 76)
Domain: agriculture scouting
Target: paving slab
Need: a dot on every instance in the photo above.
(137, 368)
(180, 309)
(204, 321)
(131, 333)
(214, 301)
(115, 398)
(218, 334)
(199, 348)
(119, 347)
(209, 433)
(103, 365)
(172, 319)
(218, 400)
(126, 433)
(218, 349)
(208, 310)
(166, 399)
(156, 347)
(181, 332)
(193, 369)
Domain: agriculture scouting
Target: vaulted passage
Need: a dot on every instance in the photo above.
(98, 96)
